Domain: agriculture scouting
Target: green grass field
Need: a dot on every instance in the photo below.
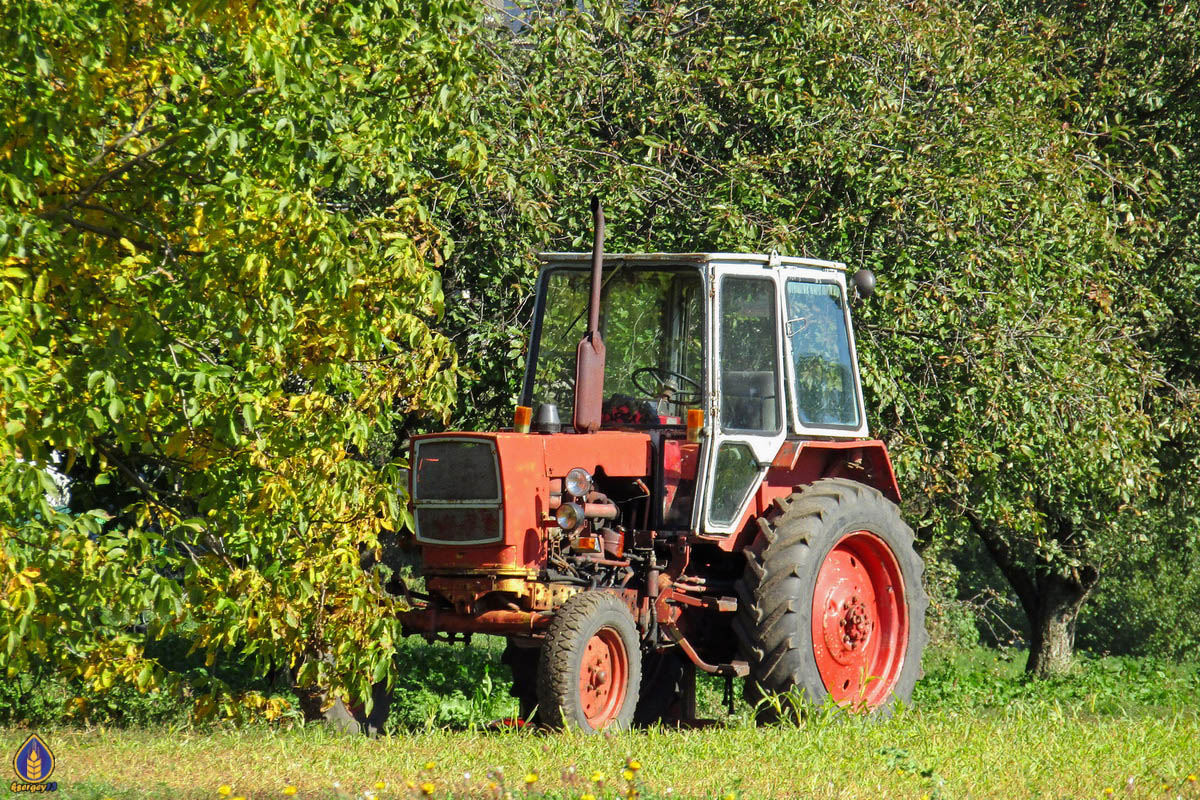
(976, 729)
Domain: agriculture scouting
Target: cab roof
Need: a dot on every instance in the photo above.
(763, 259)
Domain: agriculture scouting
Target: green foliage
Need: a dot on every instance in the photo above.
(1136, 66)
(443, 686)
(216, 286)
(975, 680)
(44, 694)
(221, 301)
(49, 700)
(1148, 608)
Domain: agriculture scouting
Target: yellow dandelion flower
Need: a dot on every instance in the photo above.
(225, 790)
(429, 765)
(633, 764)
(531, 778)
(1108, 790)
(1192, 778)
(627, 774)
(289, 790)
(597, 777)
(427, 788)
(380, 785)
(729, 796)
(587, 796)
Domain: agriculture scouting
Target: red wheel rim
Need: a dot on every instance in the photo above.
(860, 621)
(603, 675)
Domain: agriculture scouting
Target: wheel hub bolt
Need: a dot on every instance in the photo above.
(856, 624)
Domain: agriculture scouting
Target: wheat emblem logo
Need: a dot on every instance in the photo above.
(33, 763)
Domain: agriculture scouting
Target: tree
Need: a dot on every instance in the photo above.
(218, 278)
(1137, 67)
(1007, 360)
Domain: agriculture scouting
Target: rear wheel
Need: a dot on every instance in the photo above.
(833, 607)
(590, 665)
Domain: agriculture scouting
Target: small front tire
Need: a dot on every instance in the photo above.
(590, 665)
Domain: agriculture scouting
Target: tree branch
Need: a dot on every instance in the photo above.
(113, 233)
(1006, 560)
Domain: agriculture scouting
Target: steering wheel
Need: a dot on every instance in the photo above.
(663, 390)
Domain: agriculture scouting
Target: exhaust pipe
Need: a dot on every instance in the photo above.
(589, 358)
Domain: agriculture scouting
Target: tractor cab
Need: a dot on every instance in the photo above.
(757, 346)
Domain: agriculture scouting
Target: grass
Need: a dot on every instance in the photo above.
(977, 729)
(1027, 753)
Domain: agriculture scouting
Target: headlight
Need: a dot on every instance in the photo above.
(568, 516)
(578, 482)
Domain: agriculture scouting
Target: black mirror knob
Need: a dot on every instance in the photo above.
(864, 283)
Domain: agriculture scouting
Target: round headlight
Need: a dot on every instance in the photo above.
(568, 516)
(578, 482)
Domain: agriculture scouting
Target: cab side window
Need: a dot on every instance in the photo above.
(820, 345)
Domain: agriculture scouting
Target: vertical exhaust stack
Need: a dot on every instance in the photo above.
(589, 358)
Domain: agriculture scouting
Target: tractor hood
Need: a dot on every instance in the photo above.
(481, 501)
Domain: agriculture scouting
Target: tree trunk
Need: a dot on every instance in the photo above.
(1051, 600)
(1052, 626)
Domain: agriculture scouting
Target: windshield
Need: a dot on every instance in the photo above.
(651, 320)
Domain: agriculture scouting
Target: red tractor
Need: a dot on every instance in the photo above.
(714, 501)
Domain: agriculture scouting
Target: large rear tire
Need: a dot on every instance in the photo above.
(833, 606)
(590, 665)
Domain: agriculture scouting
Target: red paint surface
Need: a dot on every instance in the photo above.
(800, 463)
(680, 462)
(603, 674)
(859, 621)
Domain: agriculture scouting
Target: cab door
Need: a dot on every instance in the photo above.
(747, 407)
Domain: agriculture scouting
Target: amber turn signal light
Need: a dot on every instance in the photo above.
(522, 416)
(695, 424)
(586, 544)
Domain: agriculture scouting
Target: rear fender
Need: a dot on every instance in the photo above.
(800, 463)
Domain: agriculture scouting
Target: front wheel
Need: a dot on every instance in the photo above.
(590, 665)
(833, 607)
